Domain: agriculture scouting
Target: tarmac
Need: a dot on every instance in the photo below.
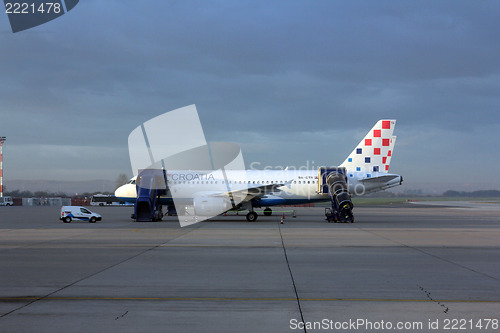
(405, 268)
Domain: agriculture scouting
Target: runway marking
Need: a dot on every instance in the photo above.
(32, 300)
(375, 300)
(297, 297)
(421, 250)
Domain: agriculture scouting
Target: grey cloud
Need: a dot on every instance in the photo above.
(272, 70)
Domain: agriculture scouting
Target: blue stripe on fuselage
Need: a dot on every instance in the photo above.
(255, 202)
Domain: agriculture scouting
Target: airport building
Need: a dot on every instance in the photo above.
(46, 201)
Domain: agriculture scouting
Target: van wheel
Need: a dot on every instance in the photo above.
(92, 219)
(67, 219)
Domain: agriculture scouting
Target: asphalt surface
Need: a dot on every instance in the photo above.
(417, 267)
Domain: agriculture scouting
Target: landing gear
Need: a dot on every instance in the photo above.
(158, 214)
(252, 216)
(171, 211)
(268, 211)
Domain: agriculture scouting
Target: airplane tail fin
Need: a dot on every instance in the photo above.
(373, 154)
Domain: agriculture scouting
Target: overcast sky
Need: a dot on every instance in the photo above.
(291, 81)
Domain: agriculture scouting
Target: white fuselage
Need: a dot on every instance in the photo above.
(295, 186)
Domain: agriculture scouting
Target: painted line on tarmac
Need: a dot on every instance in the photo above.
(55, 298)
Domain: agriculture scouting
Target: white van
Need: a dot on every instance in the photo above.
(6, 201)
(68, 213)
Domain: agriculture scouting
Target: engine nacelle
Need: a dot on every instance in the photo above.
(210, 205)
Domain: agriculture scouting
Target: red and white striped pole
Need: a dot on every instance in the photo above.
(2, 140)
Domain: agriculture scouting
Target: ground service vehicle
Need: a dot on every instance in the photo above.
(69, 213)
(6, 201)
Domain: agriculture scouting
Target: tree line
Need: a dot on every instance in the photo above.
(46, 194)
(473, 194)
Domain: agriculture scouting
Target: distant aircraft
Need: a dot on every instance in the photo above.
(365, 170)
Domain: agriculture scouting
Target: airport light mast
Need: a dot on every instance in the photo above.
(2, 140)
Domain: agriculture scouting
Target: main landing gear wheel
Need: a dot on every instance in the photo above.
(252, 216)
(268, 211)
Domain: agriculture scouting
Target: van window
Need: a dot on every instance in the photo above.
(83, 210)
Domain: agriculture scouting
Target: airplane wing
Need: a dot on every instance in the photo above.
(249, 193)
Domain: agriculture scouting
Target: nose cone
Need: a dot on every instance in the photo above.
(126, 191)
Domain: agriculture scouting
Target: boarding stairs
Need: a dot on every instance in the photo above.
(333, 181)
(151, 185)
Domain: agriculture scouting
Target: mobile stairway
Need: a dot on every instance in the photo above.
(151, 184)
(334, 182)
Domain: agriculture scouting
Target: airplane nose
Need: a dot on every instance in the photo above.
(121, 192)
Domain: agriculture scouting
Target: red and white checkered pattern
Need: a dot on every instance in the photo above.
(378, 145)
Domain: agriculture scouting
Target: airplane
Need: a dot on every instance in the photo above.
(365, 170)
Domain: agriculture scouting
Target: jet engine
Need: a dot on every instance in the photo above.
(205, 205)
